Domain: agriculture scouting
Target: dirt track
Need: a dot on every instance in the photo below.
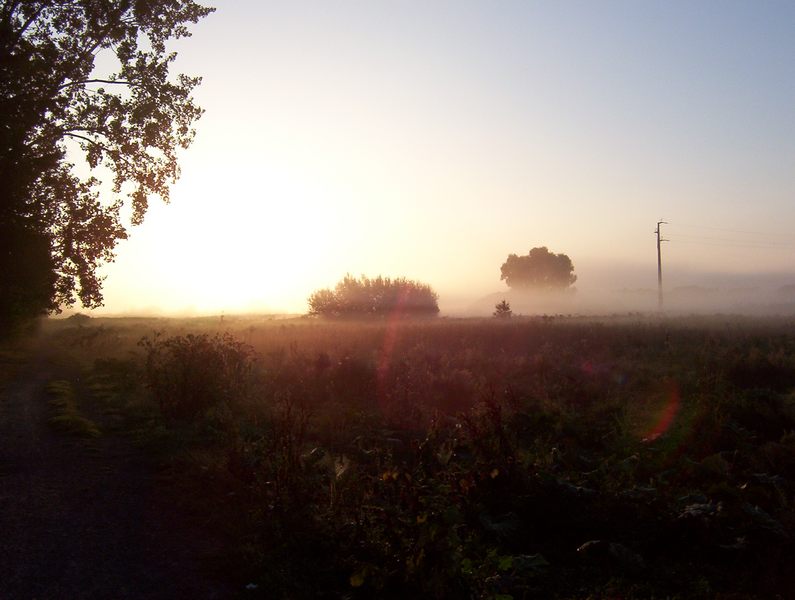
(84, 519)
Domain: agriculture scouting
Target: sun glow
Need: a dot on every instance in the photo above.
(232, 244)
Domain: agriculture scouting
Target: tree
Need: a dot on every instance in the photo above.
(502, 310)
(378, 296)
(540, 269)
(27, 277)
(56, 108)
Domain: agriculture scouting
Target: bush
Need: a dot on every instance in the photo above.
(502, 310)
(378, 296)
(189, 375)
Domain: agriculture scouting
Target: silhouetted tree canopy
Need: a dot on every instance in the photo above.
(540, 269)
(126, 122)
(378, 296)
(27, 276)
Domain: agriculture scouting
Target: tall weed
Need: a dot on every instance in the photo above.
(191, 375)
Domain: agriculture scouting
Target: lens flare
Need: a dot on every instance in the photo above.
(667, 414)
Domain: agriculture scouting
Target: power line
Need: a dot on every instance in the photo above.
(724, 242)
(766, 234)
(784, 242)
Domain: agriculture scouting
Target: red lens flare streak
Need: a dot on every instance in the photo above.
(667, 415)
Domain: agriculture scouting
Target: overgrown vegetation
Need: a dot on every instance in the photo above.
(190, 375)
(537, 458)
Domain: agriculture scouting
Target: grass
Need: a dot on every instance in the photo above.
(521, 458)
(67, 417)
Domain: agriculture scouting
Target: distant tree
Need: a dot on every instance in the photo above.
(79, 319)
(378, 296)
(540, 269)
(502, 310)
(57, 108)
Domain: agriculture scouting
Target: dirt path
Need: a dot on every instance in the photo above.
(84, 519)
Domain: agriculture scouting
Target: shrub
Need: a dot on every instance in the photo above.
(188, 375)
(502, 310)
(378, 296)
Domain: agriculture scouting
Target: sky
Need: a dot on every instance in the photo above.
(432, 139)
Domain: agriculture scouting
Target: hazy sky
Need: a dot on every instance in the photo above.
(432, 139)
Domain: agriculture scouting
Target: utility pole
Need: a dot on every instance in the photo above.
(659, 265)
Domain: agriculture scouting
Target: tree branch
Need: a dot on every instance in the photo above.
(86, 139)
(114, 154)
(87, 81)
(25, 26)
(8, 11)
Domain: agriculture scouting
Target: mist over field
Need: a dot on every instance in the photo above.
(609, 290)
(601, 288)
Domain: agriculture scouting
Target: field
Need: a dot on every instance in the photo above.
(552, 457)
